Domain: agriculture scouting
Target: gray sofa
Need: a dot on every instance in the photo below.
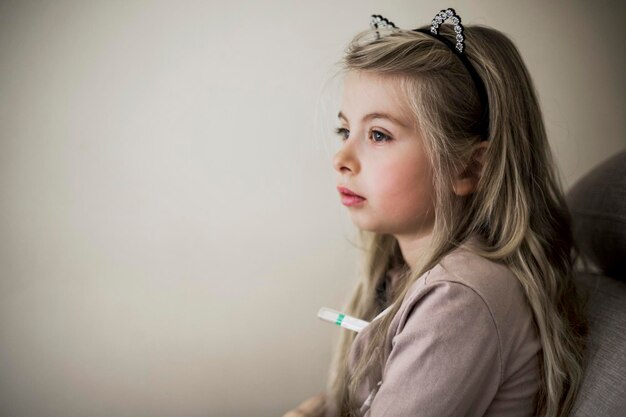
(598, 206)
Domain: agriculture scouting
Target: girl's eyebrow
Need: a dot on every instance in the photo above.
(377, 115)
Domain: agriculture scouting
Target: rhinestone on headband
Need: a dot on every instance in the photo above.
(444, 15)
(380, 22)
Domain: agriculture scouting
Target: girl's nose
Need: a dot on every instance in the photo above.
(345, 159)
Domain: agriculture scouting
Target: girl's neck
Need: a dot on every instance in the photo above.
(411, 246)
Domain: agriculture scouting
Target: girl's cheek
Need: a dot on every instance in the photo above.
(401, 176)
(389, 177)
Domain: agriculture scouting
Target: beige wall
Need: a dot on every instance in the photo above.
(169, 225)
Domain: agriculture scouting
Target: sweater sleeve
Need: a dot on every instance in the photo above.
(446, 358)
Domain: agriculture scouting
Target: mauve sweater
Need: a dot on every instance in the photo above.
(464, 344)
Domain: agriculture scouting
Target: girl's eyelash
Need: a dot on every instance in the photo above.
(341, 131)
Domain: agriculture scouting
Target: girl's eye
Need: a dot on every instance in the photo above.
(379, 136)
(343, 132)
(376, 136)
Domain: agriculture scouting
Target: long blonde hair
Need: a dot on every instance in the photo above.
(518, 210)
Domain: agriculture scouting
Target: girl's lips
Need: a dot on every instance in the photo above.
(349, 198)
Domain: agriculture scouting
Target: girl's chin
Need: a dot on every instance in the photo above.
(368, 227)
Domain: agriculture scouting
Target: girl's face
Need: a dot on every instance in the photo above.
(382, 159)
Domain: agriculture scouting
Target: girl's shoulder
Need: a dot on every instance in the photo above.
(470, 286)
(490, 279)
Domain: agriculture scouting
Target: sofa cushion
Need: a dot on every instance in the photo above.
(603, 392)
(598, 206)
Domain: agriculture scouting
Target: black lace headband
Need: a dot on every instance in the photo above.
(449, 14)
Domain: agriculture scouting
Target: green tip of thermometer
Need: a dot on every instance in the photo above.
(345, 321)
(340, 319)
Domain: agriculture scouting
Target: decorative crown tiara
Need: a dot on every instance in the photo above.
(448, 14)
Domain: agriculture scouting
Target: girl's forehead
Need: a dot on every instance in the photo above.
(372, 93)
(371, 79)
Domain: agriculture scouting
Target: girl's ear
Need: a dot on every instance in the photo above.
(467, 182)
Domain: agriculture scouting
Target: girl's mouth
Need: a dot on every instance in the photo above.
(349, 198)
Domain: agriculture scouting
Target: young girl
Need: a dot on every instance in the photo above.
(446, 170)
